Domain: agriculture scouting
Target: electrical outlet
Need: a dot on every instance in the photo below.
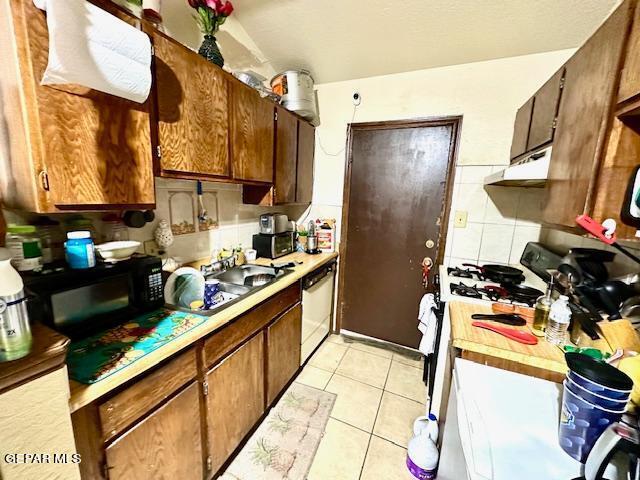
(460, 219)
(151, 248)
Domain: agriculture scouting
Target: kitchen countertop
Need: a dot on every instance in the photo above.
(82, 394)
(543, 356)
(479, 340)
(48, 351)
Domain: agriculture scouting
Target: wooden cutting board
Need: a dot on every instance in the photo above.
(469, 338)
(620, 334)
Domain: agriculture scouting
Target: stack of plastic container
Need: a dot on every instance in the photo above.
(595, 396)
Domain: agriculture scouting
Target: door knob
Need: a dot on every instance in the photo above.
(430, 243)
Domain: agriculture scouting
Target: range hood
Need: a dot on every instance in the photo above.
(531, 171)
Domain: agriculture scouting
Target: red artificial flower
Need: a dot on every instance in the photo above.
(194, 3)
(227, 9)
(215, 5)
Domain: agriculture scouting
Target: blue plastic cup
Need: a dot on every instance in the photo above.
(595, 398)
(581, 423)
(211, 291)
(612, 393)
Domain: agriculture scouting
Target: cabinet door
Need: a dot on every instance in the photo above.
(521, 129)
(630, 81)
(283, 351)
(544, 111)
(165, 445)
(193, 111)
(252, 132)
(286, 156)
(236, 399)
(96, 147)
(306, 153)
(583, 120)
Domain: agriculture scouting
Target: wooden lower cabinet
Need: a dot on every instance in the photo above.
(165, 445)
(235, 401)
(283, 351)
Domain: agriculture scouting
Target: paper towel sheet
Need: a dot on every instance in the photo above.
(90, 47)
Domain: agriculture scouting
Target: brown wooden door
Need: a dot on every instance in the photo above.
(96, 146)
(236, 399)
(545, 110)
(193, 111)
(521, 129)
(252, 134)
(306, 153)
(395, 198)
(630, 81)
(164, 446)
(283, 351)
(583, 118)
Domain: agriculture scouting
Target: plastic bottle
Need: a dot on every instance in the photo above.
(15, 333)
(25, 247)
(422, 457)
(559, 319)
(427, 423)
(79, 250)
(541, 314)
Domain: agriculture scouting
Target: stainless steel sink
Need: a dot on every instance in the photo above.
(249, 275)
(238, 283)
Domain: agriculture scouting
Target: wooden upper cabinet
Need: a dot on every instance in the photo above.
(283, 351)
(165, 445)
(236, 399)
(71, 147)
(584, 118)
(252, 134)
(285, 156)
(306, 154)
(630, 80)
(192, 110)
(545, 109)
(521, 129)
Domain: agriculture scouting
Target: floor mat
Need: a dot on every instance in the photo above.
(285, 443)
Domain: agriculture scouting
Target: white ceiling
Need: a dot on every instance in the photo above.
(346, 39)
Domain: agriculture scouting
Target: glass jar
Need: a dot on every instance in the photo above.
(79, 250)
(114, 229)
(80, 223)
(24, 244)
(51, 239)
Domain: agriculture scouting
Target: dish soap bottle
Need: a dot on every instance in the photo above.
(559, 319)
(541, 314)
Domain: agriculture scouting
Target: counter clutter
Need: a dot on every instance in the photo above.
(82, 394)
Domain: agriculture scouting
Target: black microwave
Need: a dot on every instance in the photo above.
(78, 303)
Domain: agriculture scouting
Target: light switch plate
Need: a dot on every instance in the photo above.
(460, 219)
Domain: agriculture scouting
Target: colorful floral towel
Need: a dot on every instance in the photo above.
(95, 358)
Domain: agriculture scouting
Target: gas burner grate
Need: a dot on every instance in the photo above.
(463, 273)
(465, 290)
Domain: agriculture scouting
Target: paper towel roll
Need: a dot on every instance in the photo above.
(90, 47)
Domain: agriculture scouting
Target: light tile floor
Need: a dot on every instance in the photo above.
(379, 394)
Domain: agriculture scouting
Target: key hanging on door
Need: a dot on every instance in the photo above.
(427, 264)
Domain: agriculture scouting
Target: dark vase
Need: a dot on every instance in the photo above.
(209, 50)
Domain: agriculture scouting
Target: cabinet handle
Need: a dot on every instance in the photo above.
(44, 180)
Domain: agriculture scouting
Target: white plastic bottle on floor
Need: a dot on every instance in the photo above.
(559, 319)
(422, 457)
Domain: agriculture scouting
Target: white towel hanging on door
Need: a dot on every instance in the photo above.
(427, 324)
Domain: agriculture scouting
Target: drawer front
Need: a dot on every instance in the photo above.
(224, 341)
(134, 402)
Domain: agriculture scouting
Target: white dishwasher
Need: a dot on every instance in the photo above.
(317, 306)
